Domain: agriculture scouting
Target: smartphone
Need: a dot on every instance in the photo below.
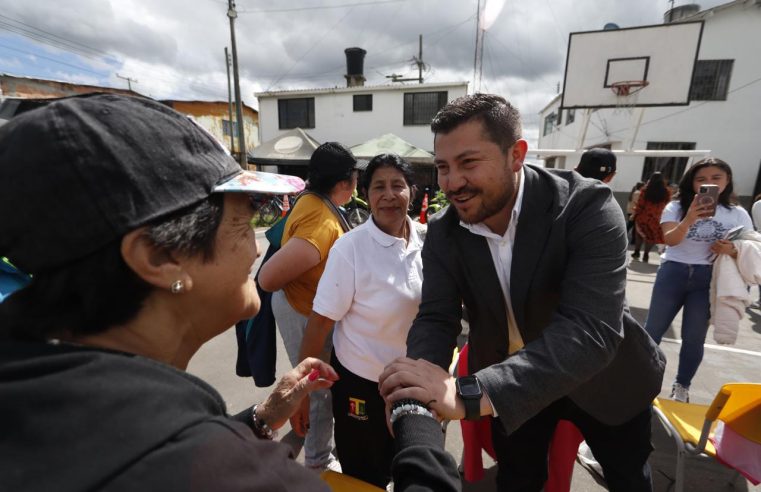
(708, 196)
(734, 233)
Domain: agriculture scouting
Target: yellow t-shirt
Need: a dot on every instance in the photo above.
(313, 221)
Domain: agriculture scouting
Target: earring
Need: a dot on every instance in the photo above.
(177, 287)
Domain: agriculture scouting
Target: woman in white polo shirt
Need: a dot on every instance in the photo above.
(371, 290)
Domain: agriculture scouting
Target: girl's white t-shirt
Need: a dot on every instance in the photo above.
(695, 248)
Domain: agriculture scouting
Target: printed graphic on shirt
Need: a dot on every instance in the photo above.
(357, 409)
(707, 231)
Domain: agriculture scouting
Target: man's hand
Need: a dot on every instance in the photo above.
(420, 380)
(310, 375)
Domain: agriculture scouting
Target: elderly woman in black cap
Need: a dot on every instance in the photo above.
(135, 226)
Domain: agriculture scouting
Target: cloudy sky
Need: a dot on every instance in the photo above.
(175, 48)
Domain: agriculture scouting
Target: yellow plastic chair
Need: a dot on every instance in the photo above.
(737, 405)
(339, 482)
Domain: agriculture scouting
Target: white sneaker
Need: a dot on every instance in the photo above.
(680, 393)
(587, 459)
(331, 465)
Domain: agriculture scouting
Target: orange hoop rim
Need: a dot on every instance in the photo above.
(628, 87)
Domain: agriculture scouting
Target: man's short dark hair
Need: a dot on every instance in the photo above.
(89, 295)
(501, 120)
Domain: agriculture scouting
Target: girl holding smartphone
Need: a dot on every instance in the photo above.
(693, 230)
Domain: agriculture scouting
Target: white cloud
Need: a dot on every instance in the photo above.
(174, 48)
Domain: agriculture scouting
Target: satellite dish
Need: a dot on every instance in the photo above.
(610, 26)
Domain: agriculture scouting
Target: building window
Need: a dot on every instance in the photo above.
(230, 128)
(363, 102)
(293, 113)
(421, 107)
(672, 168)
(570, 116)
(549, 123)
(710, 81)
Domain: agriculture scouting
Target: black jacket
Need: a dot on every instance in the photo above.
(76, 419)
(567, 285)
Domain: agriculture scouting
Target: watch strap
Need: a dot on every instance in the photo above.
(472, 408)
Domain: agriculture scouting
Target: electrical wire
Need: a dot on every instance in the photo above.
(312, 47)
(319, 7)
(100, 74)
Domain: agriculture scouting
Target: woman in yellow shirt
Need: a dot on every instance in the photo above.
(292, 274)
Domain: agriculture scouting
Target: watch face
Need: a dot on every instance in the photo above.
(469, 387)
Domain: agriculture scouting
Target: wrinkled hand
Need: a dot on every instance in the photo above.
(724, 247)
(289, 392)
(422, 381)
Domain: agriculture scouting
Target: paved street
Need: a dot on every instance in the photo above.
(215, 363)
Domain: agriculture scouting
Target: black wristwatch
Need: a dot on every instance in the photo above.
(469, 391)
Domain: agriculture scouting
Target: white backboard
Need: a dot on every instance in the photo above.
(663, 55)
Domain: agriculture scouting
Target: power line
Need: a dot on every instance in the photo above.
(313, 46)
(100, 74)
(71, 46)
(47, 36)
(320, 7)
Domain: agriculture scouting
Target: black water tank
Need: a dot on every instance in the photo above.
(355, 61)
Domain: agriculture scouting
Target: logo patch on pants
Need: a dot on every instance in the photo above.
(357, 409)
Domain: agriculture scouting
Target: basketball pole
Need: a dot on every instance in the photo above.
(584, 127)
(635, 131)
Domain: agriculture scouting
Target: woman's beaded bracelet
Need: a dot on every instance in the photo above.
(261, 429)
(408, 407)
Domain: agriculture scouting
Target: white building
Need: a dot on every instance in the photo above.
(353, 115)
(724, 115)
(357, 113)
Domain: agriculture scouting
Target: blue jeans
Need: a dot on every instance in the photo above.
(679, 285)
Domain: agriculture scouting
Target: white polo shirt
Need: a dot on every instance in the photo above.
(371, 287)
(501, 248)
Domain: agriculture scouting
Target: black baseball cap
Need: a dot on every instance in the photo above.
(597, 163)
(334, 159)
(83, 171)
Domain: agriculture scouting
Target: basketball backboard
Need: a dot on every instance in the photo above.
(662, 56)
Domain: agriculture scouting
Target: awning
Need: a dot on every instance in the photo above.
(390, 143)
(293, 148)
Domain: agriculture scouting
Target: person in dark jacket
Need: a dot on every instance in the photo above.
(538, 259)
(135, 225)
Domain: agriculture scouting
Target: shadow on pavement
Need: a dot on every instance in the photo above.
(642, 267)
(701, 474)
(754, 314)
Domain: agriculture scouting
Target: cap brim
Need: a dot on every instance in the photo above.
(361, 164)
(261, 182)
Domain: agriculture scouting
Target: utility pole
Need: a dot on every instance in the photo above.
(230, 102)
(232, 14)
(416, 60)
(419, 60)
(479, 56)
(129, 81)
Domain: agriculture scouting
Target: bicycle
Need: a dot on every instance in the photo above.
(270, 212)
(356, 211)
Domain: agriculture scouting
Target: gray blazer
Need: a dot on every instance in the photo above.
(567, 290)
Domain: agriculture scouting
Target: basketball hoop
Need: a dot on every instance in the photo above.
(628, 87)
(626, 93)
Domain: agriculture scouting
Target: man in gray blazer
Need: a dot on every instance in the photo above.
(538, 259)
